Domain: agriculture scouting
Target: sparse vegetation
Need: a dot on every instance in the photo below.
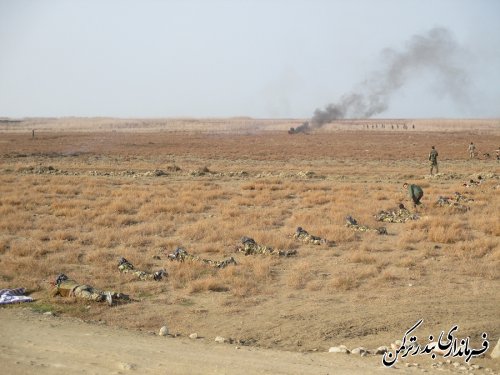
(98, 203)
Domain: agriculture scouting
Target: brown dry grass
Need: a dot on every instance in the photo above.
(82, 219)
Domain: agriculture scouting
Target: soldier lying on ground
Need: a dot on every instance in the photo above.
(181, 255)
(65, 287)
(396, 215)
(353, 224)
(454, 202)
(473, 183)
(126, 267)
(250, 247)
(462, 198)
(304, 236)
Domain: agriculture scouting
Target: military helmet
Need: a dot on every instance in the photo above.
(246, 239)
(60, 278)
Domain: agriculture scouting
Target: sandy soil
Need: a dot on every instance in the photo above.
(39, 344)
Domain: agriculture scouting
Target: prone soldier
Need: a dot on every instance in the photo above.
(182, 255)
(304, 236)
(250, 247)
(352, 223)
(398, 215)
(66, 287)
(126, 267)
(452, 203)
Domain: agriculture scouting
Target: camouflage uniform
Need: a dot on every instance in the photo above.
(397, 215)
(304, 236)
(353, 224)
(126, 267)
(250, 247)
(182, 255)
(462, 198)
(452, 203)
(472, 151)
(455, 202)
(433, 159)
(66, 287)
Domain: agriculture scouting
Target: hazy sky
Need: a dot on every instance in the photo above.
(259, 58)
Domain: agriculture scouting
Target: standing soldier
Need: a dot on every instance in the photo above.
(433, 159)
(472, 151)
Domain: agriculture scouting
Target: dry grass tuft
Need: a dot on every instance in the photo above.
(344, 282)
(362, 257)
(477, 248)
(446, 231)
(300, 275)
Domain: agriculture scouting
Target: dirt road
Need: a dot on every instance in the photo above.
(33, 343)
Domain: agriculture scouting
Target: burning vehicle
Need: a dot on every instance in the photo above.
(300, 129)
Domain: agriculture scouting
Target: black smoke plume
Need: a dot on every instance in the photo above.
(435, 50)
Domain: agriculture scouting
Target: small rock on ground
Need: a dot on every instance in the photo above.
(163, 331)
(338, 349)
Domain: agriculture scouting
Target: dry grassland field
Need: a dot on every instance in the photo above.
(82, 193)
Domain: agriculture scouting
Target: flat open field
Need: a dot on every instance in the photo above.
(84, 192)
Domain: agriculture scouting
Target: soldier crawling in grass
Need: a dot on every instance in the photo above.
(455, 202)
(125, 266)
(352, 223)
(248, 246)
(304, 236)
(66, 287)
(397, 215)
(182, 255)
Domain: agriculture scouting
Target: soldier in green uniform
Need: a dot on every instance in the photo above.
(250, 247)
(416, 193)
(304, 236)
(126, 267)
(182, 255)
(433, 159)
(352, 223)
(66, 287)
(398, 215)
